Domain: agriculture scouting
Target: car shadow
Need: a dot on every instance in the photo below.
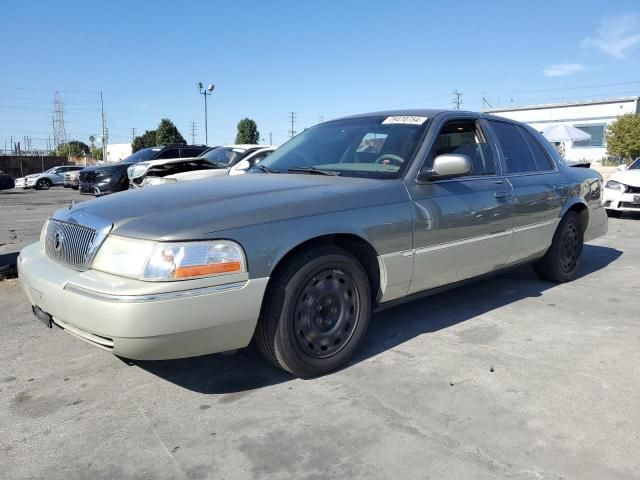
(248, 369)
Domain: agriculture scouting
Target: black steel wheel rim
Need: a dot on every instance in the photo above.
(326, 312)
(569, 248)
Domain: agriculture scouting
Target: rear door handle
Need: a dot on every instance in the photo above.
(503, 194)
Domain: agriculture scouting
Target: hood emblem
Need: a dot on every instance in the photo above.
(58, 240)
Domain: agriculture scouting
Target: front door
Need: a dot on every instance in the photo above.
(462, 226)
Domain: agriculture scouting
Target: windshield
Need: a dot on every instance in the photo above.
(635, 165)
(142, 155)
(379, 147)
(224, 156)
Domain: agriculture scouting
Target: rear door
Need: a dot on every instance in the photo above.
(462, 226)
(538, 188)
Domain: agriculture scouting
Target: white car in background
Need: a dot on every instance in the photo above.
(47, 179)
(215, 162)
(622, 190)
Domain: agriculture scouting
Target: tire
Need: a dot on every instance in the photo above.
(560, 263)
(43, 184)
(614, 213)
(316, 312)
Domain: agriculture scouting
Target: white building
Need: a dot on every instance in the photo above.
(118, 151)
(592, 116)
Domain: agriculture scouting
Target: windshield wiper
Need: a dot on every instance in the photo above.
(313, 171)
(265, 169)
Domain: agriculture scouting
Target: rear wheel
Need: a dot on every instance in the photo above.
(614, 213)
(43, 184)
(560, 263)
(316, 312)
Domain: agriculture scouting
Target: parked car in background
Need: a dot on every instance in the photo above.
(349, 216)
(112, 177)
(47, 179)
(622, 190)
(72, 179)
(6, 181)
(217, 161)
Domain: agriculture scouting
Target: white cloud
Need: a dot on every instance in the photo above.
(616, 36)
(562, 69)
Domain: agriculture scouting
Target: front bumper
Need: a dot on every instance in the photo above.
(143, 320)
(617, 200)
(21, 183)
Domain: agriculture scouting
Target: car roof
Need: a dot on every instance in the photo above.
(423, 112)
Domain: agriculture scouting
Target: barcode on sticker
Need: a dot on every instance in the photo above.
(405, 119)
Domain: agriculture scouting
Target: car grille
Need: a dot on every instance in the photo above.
(70, 243)
(87, 177)
(635, 206)
(631, 189)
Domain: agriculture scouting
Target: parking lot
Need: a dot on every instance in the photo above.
(511, 377)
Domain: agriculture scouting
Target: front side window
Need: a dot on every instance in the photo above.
(516, 152)
(464, 137)
(189, 152)
(634, 165)
(597, 136)
(376, 146)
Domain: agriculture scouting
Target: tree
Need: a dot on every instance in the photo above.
(168, 133)
(623, 137)
(247, 131)
(97, 153)
(146, 140)
(73, 148)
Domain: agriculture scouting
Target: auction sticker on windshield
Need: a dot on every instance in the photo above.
(405, 119)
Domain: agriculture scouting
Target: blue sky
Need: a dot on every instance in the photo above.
(318, 59)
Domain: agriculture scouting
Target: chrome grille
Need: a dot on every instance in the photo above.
(70, 243)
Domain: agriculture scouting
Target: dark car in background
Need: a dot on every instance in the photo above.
(6, 181)
(112, 177)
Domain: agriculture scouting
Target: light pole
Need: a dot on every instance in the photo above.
(205, 92)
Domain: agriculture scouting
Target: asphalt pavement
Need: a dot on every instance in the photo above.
(511, 377)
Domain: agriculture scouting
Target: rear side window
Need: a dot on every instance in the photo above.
(190, 152)
(516, 152)
(543, 162)
(169, 153)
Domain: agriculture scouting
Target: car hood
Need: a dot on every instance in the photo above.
(113, 166)
(628, 177)
(194, 210)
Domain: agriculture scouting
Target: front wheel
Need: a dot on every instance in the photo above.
(316, 312)
(560, 263)
(43, 184)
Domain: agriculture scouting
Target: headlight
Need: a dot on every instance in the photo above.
(149, 181)
(160, 261)
(612, 184)
(43, 233)
(137, 170)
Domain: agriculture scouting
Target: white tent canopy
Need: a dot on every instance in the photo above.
(561, 132)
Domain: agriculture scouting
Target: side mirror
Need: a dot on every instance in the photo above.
(622, 167)
(447, 166)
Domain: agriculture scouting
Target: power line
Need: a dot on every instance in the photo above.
(292, 132)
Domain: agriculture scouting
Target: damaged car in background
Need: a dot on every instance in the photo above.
(348, 217)
(216, 162)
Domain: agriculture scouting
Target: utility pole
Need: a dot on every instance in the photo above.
(292, 132)
(456, 101)
(193, 133)
(321, 119)
(133, 134)
(104, 129)
(270, 138)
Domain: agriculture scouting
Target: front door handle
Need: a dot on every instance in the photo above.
(503, 194)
